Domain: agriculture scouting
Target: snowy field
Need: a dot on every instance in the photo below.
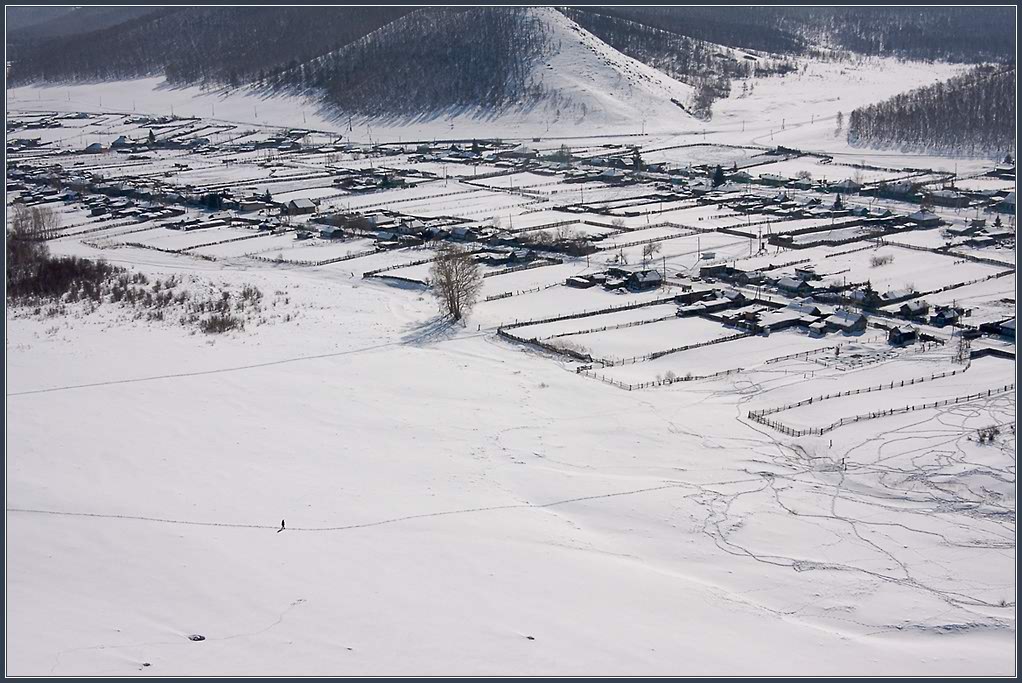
(631, 342)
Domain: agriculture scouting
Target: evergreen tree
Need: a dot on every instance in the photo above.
(718, 177)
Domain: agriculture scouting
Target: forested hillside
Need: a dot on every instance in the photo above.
(971, 114)
(960, 34)
(705, 66)
(212, 45)
(428, 60)
(408, 61)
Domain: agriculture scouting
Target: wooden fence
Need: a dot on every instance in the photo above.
(790, 431)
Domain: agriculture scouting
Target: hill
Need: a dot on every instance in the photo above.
(970, 114)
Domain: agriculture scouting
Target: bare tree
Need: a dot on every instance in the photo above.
(650, 250)
(34, 222)
(456, 281)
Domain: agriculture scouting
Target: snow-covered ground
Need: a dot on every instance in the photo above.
(454, 505)
(458, 503)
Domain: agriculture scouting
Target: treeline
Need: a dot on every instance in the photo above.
(705, 66)
(970, 114)
(429, 60)
(958, 34)
(199, 45)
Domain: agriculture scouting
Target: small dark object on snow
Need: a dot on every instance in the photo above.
(281, 526)
(530, 638)
(146, 664)
(196, 637)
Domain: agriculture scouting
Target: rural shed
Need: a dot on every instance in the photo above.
(300, 206)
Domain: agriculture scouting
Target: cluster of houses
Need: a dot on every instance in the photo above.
(619, 279)
(976, 233)
(734, 308)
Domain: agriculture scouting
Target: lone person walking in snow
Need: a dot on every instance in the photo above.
(281, 526)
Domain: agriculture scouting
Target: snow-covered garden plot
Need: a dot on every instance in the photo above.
(696, 155)
(318, 192)
(419, 272)
(632, 342)
(831, 172)
(835, 234)
(984, 374)
(597, 193)
(531, 278)
(984, 183)
(746, 352)
(929, 239)
(316, 250)
(990, 300)
(382, 259)
(682, 254)
(476, 206)
(592, 231)
(925, 271)
(399, 199)
(452, 170)
(519, 180)
(560, 300)
(266, 244)
(544, 331)
(822, 376)
(1004, 253)
(166, 238)
(642, 234)
(708, 216)
(780, 226)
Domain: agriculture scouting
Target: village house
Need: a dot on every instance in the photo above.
(945, 315)
(790, 285)
(924, 219)
(914, 309)
(903, 334)
(844, 320)
(644, 280)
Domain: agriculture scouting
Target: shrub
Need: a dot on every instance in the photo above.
(218, 323)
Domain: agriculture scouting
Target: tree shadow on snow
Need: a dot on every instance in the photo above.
(435, 329)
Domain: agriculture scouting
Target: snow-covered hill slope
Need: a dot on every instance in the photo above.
(599, 84)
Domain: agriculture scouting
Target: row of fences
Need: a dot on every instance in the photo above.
(802, 354)
(140, 245)
(436, 195)
(324, 262)
(586, 313)
(395, 266)
(635, 243)
(550, 348)
(790, 431)
(402, 280)
(957, 254)
(854, 392)
(660, 382)
(660, 354)
(144, 228)
(539, 263)
(506, 295)
(89, 231)
(227, 241)
(618, 326)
